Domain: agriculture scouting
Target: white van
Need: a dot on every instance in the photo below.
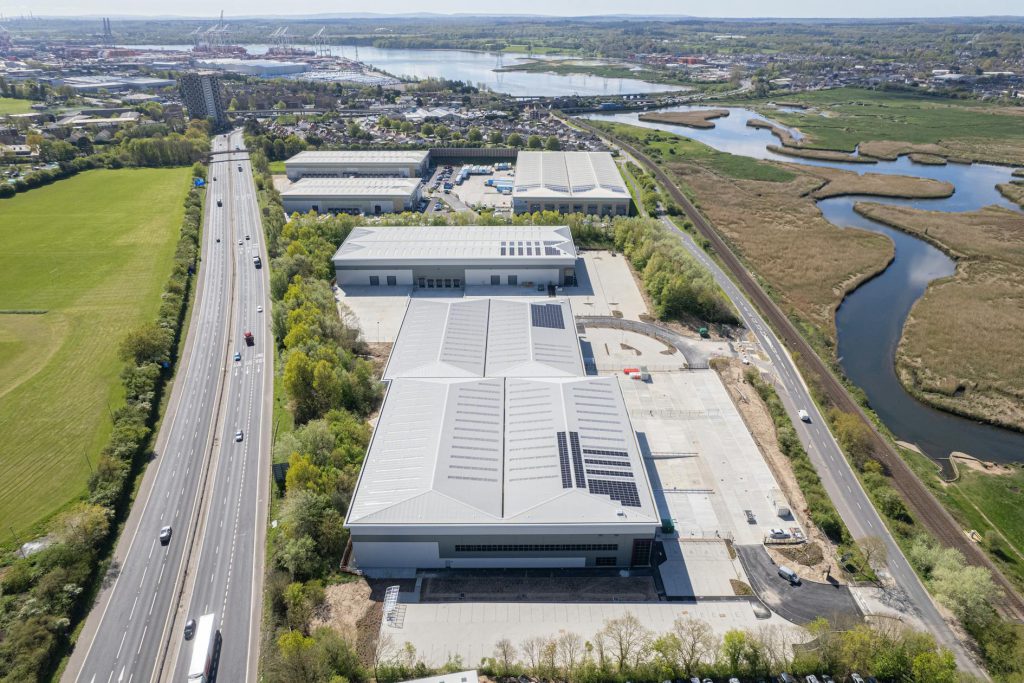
(789, 575)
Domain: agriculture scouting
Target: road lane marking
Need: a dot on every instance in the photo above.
(123, 636)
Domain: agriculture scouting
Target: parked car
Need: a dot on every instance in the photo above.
(750, 516)
(165, 535)
(778, 533)
(190, 629)
(811, 679)
(856, 678)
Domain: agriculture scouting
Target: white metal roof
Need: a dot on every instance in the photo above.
(355, 157)
(468, 338)
(585, 175)
(351, 187)
(554, 451)
(447, 244)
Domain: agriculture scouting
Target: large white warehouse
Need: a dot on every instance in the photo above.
(350, 163)
(370, 196)
(493, 449)
(569, 182)
(453, 257)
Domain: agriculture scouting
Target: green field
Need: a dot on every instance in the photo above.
(10, 105)
(990, 504)
(853, 116)
(276, 167)
(93, 252)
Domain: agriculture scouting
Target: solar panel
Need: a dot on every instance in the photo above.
(609, 473)
(623, 491)
(597, 451)
(577, 460)
(547, 315)
(563, 461)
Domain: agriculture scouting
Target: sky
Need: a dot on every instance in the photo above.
(719, 8)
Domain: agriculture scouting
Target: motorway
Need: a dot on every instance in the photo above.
(840, 482)
(228, 570)
(129, 630)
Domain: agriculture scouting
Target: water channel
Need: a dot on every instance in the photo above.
(870, 321)
(476, 68)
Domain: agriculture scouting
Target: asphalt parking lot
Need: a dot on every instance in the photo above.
(800, 604)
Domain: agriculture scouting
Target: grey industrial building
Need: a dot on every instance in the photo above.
(357, 163)
(202, 96)
(569, 182)
(370, 196)
(453, 257)
(494, 449)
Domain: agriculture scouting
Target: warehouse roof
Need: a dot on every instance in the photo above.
(358, 157)
(471, 338)
(586, 175)
(445, 244)
(509, 451)
(351, 187)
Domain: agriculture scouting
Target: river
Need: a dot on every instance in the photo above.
(870, 321)
(476, 68)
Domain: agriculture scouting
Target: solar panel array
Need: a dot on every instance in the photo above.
(547, 315)
(623, 491)
(399, 245)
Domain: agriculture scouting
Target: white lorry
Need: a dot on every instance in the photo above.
(779, 503)
(204, 646)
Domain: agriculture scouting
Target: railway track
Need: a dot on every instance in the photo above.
(923, 505)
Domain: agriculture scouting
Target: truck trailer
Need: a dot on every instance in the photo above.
(204, 647)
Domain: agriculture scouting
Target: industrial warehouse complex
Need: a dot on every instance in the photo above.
(446, 257)
(494, 449)
(351, 163)
(370, 196)
(569, 182)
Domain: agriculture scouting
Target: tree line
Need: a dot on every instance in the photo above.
(162, 149)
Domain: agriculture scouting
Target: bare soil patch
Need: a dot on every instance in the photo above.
(345, 606)
(703, 118)
(972, 463)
